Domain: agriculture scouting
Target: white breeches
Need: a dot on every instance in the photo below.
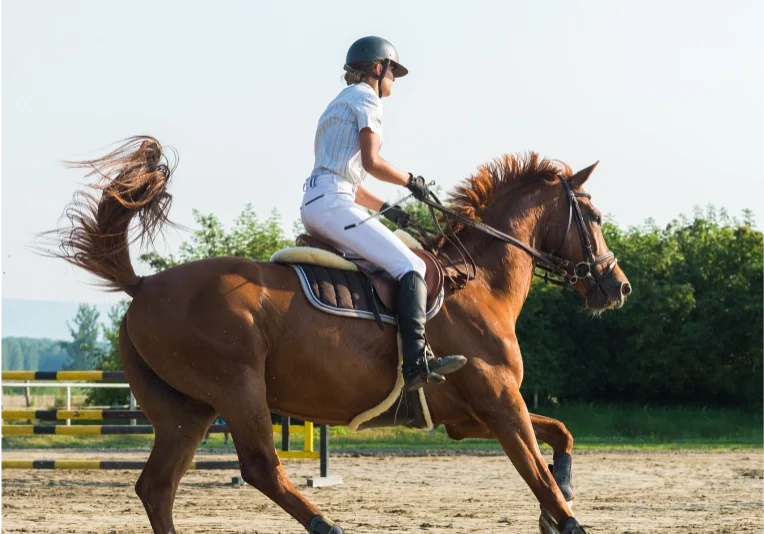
(328, 207)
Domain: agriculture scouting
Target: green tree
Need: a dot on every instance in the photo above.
(250, 237)
(691, 332)
(13, 357)
(32, 356)
(83, 349)
(109, 360)
(36, 354)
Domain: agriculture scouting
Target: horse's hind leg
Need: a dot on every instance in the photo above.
(556, 435)
(550, 431)
(179, 423)
(249, 419)
(553, 433)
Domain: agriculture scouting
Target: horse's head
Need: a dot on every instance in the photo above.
(575, 234)
(542, 205)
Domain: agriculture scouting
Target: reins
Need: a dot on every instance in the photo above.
(556, 270)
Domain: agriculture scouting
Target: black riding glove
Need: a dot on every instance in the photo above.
(418, 187)
(395, 214)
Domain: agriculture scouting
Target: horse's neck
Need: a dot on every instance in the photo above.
(505, 269)
(509, 279)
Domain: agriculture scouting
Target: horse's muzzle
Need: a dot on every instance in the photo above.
(610, 293)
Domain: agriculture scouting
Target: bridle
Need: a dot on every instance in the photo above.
(556, 270)
(583, 270)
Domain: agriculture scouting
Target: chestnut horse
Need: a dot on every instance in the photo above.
(238, 338)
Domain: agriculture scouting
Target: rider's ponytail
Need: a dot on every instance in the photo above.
(354, 76)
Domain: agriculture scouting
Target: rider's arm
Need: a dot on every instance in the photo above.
(375, 165)
(367, 199)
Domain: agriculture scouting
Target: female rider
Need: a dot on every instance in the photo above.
(346, 148)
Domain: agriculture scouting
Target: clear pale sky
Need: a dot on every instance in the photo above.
(668, 95)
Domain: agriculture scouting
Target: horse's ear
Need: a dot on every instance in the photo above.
(578, 179)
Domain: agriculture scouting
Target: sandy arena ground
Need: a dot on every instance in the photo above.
(644, 492)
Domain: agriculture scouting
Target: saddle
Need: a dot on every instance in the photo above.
(353, 287)
(385, 285)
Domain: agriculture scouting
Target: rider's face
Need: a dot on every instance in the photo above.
(387, 82)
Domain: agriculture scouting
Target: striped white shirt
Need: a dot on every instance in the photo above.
(337, 146)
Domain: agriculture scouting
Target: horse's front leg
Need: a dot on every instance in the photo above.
(493, 392)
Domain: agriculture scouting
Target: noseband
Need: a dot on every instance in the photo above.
(557, 270)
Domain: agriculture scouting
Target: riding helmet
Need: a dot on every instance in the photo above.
(367, 50)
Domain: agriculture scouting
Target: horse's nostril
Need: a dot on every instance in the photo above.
(626, 289)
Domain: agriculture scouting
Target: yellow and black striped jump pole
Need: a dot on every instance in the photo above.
(83, 430)
(77, 415)
(92, 376)
(105, 464)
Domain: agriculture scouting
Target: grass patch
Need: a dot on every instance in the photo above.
(594, 427)
(659, 424)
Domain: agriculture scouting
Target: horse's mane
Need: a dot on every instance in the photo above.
(474, 194)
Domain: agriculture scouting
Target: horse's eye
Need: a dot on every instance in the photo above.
(597, 219)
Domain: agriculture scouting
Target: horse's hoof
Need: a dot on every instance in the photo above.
(319, 525)
(547, 524)
(570, 526)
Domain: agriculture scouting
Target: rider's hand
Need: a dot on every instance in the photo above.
(396, 214)
(418, 187)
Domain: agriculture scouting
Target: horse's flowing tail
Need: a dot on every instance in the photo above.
(130, 181)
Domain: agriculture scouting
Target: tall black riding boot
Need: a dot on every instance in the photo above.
(419, 367)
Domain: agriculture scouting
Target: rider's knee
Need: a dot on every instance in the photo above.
(407, 264)
(418, 265)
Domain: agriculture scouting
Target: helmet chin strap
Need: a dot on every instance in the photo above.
(385, 68)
